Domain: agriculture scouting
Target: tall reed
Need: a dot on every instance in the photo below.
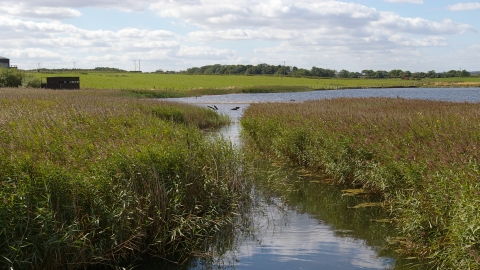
(422, 156)
(91, 178)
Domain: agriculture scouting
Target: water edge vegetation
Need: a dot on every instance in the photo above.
(421, 156)
(94, 178)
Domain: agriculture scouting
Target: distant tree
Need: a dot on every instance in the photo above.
(406, 74)
(283, 70)
(343, 73)
(30, 81)
(368, 73)
(321, 72)
(380, 74)
(419, 75)
(431, 74)
(236, 69)
(353, 75)
(250, 71)
(109, 69)
(300, 72)
(316, 72)
(192, 70)
(268, 70)
(395, 73)
(465, 73)
(210, 70)
(221, 70)
(453, 73)
(10, 77)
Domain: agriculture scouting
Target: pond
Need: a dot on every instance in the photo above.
(314, 227)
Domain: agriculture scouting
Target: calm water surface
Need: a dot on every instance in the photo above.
(314, 227)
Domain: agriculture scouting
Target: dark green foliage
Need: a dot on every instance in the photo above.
(10, 77)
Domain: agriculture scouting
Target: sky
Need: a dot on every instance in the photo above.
(149, 35)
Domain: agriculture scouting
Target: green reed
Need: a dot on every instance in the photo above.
(422, 156)
(91, 178)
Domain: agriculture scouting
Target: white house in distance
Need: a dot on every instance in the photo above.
(4, 62)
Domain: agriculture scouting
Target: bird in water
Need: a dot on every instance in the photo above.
(236, 108)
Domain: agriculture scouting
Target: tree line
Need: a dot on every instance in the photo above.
(279, 70)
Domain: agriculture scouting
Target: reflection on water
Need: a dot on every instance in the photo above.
(314, 227)
(232, 131)
(285, 236)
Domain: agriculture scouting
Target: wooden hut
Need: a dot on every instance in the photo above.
(61, 83)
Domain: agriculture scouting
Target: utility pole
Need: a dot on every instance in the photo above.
(139, 65)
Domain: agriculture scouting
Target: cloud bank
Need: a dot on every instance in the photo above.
(406, 1)
(306, 32)
(464, 6)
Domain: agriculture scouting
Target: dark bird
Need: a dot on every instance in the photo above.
(236, 108)
(213, 108)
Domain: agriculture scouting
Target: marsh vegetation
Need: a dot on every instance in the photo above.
(97, 178)
(93, 178)
(421, 157)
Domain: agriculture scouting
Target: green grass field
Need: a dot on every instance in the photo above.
(215, 84)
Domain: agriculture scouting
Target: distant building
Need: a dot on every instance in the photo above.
(61, 83)
(4, 62)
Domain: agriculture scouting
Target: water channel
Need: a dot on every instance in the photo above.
(314, 227)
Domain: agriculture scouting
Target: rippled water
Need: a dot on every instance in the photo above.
(316, 229)
(445, 94)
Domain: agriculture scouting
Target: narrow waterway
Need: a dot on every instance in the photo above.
(314, 227)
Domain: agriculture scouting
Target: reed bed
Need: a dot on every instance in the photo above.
(91, 178)
(422, 156)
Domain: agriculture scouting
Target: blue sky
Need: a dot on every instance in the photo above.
(415, 35)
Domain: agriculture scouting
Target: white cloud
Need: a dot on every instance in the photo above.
(280, 14)
(126, 5)
(58, 42)
(241, 34)
(36, 53)
(464, 6)
(22, 10)
(393, 22)
(205, 52)
(405, 1)
(305, 32)
(424, 42)
(306, 23)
